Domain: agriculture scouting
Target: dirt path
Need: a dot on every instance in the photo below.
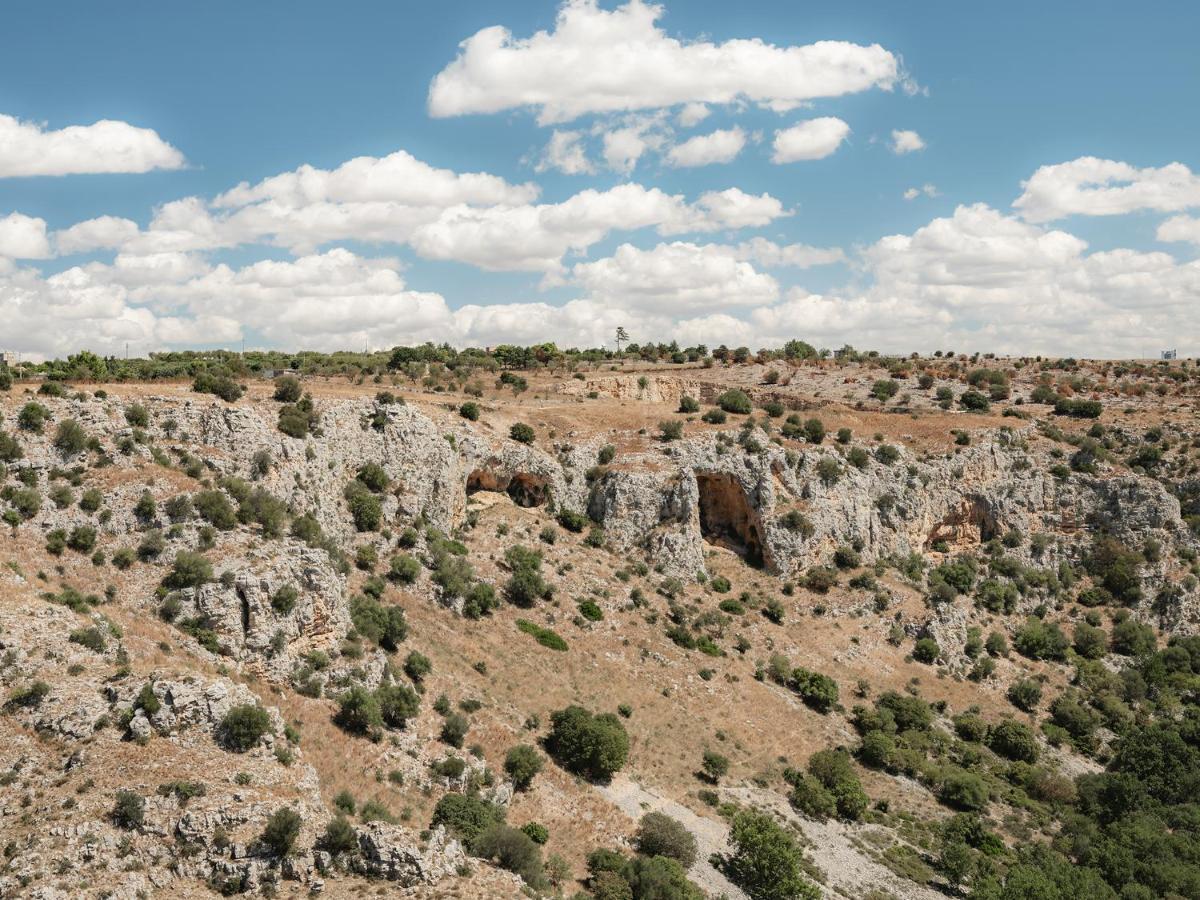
(635, 801)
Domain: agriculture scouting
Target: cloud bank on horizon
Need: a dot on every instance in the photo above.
(347, 255)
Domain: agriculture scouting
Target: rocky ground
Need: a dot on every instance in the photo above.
(682, 578)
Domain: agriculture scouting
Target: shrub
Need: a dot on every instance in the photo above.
(660, 835)
(417, 666)
(1090, 642)
(129, 811)
(358, 711)
(595, 746)
(714, 765)
(816, 690)
(339, 837)
(397, 704)
(1014, 740)
(220, 385)
(29, 696)
(454, 729)
(1038, 639)
(243, 727)
(735, 401)
(82, 539)
(526, 584)
(91, 638)
(469, 411)
(537, 832)
(974, 401)
(670, 429)
(10, 448)
(465, 816)
(287, 389)
(32, 417)
(814, 431)
(714, 416)
(572, 521)
(190, 569)
(766, 862)
(964, 790)
(511, 849)
(70, 439)
(926, 650)
(547, 637)
(386, 625)
(298, 419)
(1025, 694)
(404, 568)
(522, 433)
(283, 601)
(522, 764)
(374, 476)
(365, 508)
(833, 769)
(283, 827)
(1132, 638)
(1078, 408)
(214, 507)
(688, 404)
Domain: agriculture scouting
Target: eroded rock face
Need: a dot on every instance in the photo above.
(389, 851)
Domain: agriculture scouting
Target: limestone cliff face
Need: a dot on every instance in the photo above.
(667, 501)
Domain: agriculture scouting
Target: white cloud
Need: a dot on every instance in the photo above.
(813, 139)
(720, 146)
(623, 147)
(535, 238)
(23, 237)
(1180, 228)
(927, 190)
(675, 278)
(565, 153)
(1103, 187)
(692, 115)
(28, 148)
(605, 61)
(799, 256)
(906, 142)
(103, 233)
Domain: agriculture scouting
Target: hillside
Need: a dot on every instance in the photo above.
(859, 627)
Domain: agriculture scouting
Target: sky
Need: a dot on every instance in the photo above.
(1017, 178)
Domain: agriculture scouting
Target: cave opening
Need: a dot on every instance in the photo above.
(726, 517)
(522, 488)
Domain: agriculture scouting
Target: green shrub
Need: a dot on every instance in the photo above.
(1025, 694)
(660, 835)
(243, 727)
(765, 861)
(545, 636)
(221, 385)
(358, 712)
(70, 439)
(397, 704)
(522, 764)
(283, 601)
(129, 811)
(404, 568)
(469, 411)
(522, 433)
(287, 389)
(593, 745)
(190, 569)
(1014, 740)
(735, 401)
(688, 404)
(281, 831)
(465, 816)
(816, 690)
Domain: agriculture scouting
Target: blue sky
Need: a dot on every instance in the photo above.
(243, 92)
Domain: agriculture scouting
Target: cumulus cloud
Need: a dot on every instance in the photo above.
(692, 115)
(720, 146)
(23, 237)
(103, 233)
(926, 190)
(565, 153)
(799, 256)
(605, 61)
(536, 237)
(623, 147)
(1103, 187)
(813, 139)
(906, 142)
(29, 148)
(1180, 228)
(678, 277)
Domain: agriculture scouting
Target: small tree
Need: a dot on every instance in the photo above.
(595, 746)
(283, 827)
(129, 811)
(287, 389)
(660, 835)
(766, 862)
(522, 433)
(243, 727)
(522, 764)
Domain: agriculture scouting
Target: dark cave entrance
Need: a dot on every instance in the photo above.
(522, 488)
(726, 517)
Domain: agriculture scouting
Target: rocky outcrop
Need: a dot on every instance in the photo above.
(389, 851)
